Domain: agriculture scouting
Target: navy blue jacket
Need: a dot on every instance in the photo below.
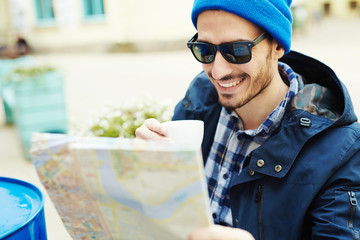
(309, 186)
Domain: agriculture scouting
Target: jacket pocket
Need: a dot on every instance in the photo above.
(346, 216)
(353, 205)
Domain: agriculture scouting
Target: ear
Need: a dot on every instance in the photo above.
(278, 50)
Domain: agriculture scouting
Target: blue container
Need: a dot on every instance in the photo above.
(22, 211)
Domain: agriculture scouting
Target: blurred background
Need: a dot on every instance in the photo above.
(119, 25)
(71, 66)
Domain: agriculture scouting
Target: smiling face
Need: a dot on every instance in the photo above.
(238, 84)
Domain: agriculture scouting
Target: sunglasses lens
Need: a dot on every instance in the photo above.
(236, 52)
(203, 52)
(233, 52)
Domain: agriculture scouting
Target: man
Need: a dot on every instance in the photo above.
(281, 143)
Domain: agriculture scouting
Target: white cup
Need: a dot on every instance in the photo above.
(185, 132)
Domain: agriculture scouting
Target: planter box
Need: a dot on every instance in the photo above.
(39, 106)
(8, 104)
(6, 91)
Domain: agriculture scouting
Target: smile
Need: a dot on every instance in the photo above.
(227, 85)
(231, 84)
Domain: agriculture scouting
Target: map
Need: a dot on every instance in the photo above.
(111, 188)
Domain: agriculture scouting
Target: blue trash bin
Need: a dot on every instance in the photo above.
(22, 211)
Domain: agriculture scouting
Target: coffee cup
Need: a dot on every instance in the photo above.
(185, 132)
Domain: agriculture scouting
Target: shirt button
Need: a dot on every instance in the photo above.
(214, 215)
(260, 163)
(251, 172)
(225, 176)
(278, 168)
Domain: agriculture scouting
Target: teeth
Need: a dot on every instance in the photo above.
(227, 85)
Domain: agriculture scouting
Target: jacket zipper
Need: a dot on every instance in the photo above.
(353, 205)
(259, 201)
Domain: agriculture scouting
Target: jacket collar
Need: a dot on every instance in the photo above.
(314, 71)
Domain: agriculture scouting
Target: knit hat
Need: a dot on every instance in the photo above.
(273, 16)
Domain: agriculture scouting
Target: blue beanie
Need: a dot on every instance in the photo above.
(273, 16)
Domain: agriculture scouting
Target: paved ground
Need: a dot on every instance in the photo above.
(94, 79)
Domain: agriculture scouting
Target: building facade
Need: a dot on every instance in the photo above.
(112, 24)
(94, 24)
(331, 8)
(341, 8)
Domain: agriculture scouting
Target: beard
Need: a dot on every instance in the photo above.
(259, 83)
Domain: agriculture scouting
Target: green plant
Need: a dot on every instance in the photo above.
(122, 121)
(32, 72)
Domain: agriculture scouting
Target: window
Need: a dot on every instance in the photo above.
(44, 11)
(93, 9)
(353, 5)
(327, 8)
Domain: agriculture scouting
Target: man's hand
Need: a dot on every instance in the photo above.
(152, 130)
(214, 232)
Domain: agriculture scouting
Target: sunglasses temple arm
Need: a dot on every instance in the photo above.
(193, 39)
(260, 38)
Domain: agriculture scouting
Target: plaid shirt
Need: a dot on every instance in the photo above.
(230, 147)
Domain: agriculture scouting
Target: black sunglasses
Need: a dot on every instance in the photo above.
(233, 52)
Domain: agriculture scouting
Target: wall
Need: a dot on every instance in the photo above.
(135, 21)
(341, 8)
(4, 23)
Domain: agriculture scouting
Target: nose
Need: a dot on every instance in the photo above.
(220, 67)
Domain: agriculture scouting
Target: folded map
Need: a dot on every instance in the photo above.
(111, 188)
